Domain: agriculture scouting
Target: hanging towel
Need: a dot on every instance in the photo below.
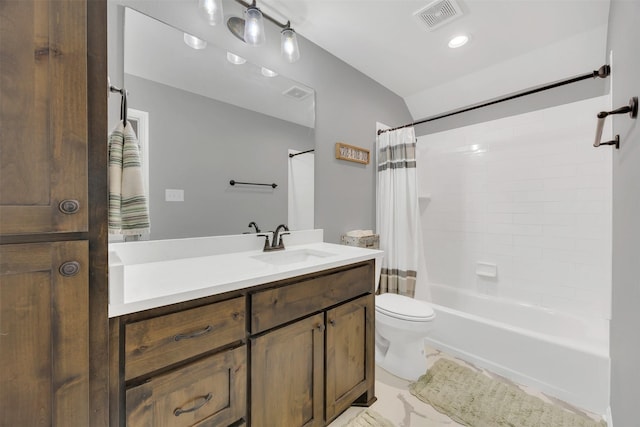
(128, 207)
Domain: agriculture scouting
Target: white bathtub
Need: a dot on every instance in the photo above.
(561, 355)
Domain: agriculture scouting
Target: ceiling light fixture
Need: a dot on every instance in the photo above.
(253, 26)
(289, 44)
(194, 42)
(458, 41)
(268, 73)
(212, 10)
(235, 59)
(251, 30)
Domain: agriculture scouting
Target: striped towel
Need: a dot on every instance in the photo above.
(128, 208)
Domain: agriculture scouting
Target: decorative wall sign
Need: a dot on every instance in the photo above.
(352, 153)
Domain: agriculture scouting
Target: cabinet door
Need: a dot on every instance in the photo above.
(44, 334)
(350, 355)
(43, 116)
(287, 373)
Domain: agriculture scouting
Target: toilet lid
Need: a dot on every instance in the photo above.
(403, 307)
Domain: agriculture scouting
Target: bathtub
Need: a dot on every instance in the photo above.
(561, 355)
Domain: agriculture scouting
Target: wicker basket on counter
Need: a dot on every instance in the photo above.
(371, 242)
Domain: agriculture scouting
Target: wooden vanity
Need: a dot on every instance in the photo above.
(294, 352)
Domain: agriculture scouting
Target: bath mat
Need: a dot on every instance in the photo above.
(369, 418)
(474, 399)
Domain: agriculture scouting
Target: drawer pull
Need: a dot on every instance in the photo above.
(205, 399)
(206, 330)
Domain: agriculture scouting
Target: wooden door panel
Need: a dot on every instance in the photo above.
(43, 116)
(44, 352)
(350, 367)
(287, 375)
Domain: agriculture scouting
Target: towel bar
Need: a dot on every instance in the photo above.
(234, 182)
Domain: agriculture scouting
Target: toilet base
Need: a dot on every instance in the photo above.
(407, 361)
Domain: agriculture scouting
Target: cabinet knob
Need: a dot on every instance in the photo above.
(69, 206)
(69, 268)
(332, 322)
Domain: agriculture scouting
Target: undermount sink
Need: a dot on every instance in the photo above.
(292, 256)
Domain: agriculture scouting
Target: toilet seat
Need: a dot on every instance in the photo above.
(405, 308)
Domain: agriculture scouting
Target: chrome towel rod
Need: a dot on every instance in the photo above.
(632, 109)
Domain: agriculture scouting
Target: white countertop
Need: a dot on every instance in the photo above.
(137, 286)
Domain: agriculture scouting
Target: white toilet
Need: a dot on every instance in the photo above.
(401, 325)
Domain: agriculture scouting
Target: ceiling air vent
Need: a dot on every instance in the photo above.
(296, 92)
(438, 13)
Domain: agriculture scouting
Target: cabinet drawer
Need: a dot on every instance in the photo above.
(209, 392)
(162, 341)
(276, 306)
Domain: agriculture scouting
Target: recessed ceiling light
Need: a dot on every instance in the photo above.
(235, 59)
(268, 73)
(458, 41)
(194, 42)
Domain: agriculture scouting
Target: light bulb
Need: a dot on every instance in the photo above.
(194, 42)
(289, 45)
(253, 27)
(212, 10)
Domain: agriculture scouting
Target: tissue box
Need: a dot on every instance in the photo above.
(372, 241)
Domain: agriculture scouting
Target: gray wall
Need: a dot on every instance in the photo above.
(624, 33)
(199, 144)
(348, 104)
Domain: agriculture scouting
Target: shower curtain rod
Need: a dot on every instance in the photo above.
(602, 72)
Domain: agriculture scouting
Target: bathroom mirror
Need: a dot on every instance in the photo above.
(210, 122)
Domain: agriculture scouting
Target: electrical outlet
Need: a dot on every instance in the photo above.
(173, 195)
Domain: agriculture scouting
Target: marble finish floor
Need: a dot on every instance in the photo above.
(399, 406)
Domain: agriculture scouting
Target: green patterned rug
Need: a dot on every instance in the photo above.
(369, 418)
(474, 399)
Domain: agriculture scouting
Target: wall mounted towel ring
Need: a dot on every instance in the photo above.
(632, 109)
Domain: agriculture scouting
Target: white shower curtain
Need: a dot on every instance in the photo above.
(397, 211)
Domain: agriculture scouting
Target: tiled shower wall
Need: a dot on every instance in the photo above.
(528, 194)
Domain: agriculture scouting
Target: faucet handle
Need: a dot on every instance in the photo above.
(280, 243)
(266, 239)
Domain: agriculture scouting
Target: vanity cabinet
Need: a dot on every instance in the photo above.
(312, 349)
(295, 352)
